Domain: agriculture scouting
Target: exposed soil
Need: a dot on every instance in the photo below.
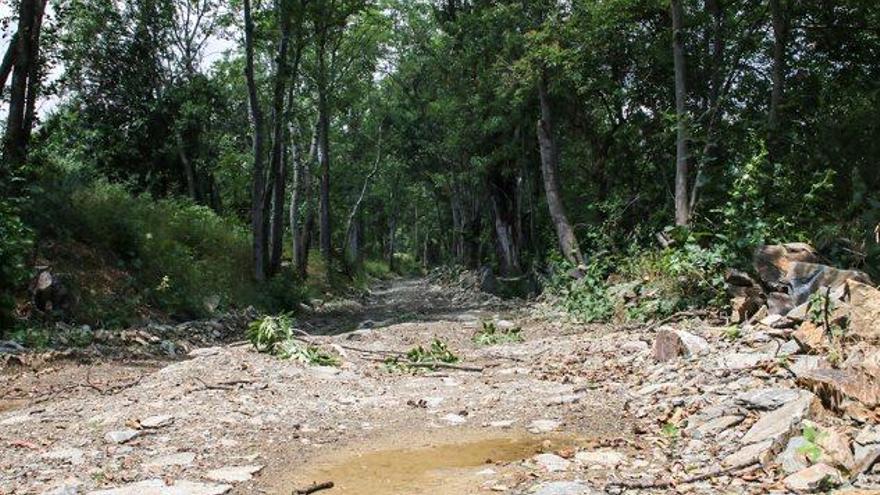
(231, 406)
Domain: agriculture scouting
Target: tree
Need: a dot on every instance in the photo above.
(258, 189)
(682, 203)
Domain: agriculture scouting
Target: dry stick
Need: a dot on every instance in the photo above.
(639, 485)
(314, 488)
(458, 367)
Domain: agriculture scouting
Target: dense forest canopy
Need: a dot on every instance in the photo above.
(209, 149)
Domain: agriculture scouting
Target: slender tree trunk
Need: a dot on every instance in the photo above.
(353, 257)
(682, 210)
(568, 242)
(34, 75)
(258, 190)
(324, 149)
(276, 232)
(8, 61)
(779, 19)
(15, 141)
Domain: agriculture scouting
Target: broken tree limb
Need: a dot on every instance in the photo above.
(641, 485)
(314, 488)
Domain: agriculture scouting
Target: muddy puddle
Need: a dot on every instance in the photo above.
(430, 466)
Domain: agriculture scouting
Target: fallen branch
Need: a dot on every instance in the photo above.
(641, 485)
(113, 389)
(227, 385)
(314, 488)
(677, 316)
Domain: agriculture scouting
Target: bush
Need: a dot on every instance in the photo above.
(15, 243)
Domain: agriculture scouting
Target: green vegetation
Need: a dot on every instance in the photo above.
(490, 334)
(276, 335)
(811, 448)
(341, 142)
(420, 358)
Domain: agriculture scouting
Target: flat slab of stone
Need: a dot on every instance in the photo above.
(819, 477)
(121, 436)
(767, 398)
(777, 425)
(543, 426)
(561, 488)
(759, 452)
(157, 421)
(158, 487)
(551, 462)
(178, 459)
(600, 458)
(234, 474)
(715, 426)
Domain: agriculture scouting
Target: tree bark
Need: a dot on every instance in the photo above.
(779, 20)
(568, 242)
(258, 190)
(682, 204)
(324, 148)
(15, 140)
(34, 76)
(8, 61)
(276, 232)
(301, 199)
(350, 223)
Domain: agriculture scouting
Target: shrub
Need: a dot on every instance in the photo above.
(15, 243)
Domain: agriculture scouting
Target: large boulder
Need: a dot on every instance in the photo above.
(835, 385)
(772, 261)
(48, 293)
(803, 279)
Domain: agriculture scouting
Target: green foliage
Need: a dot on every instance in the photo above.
(438, 352)
(585, 298)
(276, 335)
(305, 353)
(811, 449)
(33, 338)
(268, 332)
(490, 334)
(15, 245)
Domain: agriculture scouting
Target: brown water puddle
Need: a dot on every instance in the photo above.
(449, 467)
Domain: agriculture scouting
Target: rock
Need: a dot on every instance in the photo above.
(831, 385)
(777, 425)
(488, 282)
(158, 487)
(834, 445)
(156, 421)
(120, 436)
(743, 307)
(801, 365)
(669, 344)
(233, 474)
(793, 459)
(454, 419)
(867, 448)
(779, 304)
(543, 426)
(178, 459)
(811, 337)
(766, 398)
(800, 312)
(551, 462)
(803, 279)
(72, 456)
(561, 488)
(11, 347)
(715, 426)
(759, 452)
(359, 335)
(600, 458)
(635, 347)
(864, 311)
(820, 477)
(772, 261)
(49, 294)
(743, 360)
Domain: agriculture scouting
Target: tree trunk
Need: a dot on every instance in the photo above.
(302, 200)
(34, 76)
(258, 190)
(15, 141)
(324, 149)
(350, 223)
(8, 62)
(780, 23)
(568, 242)
(276, 232)
(682, 209)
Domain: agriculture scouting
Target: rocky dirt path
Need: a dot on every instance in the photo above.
(571, 410)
